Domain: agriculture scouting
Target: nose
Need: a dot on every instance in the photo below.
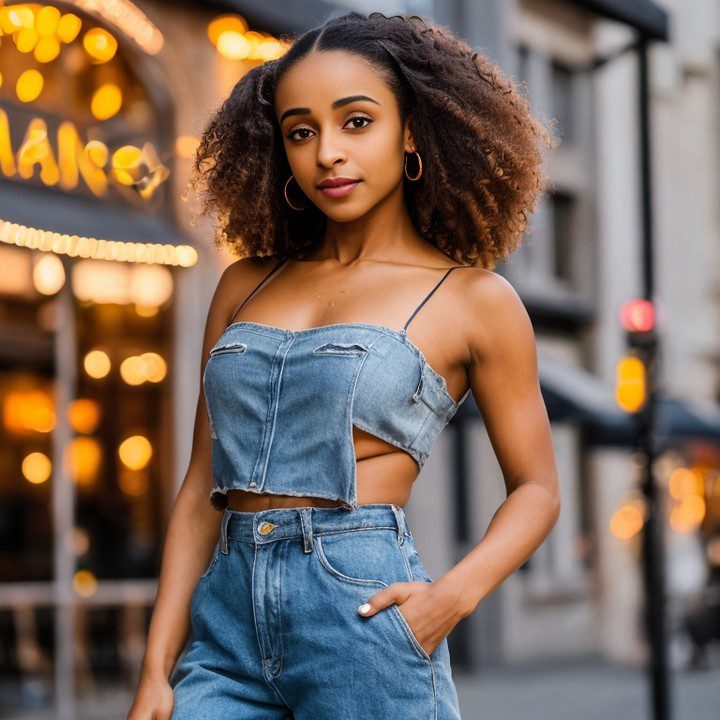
(330, 151)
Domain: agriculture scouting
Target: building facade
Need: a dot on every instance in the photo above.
(105, 286)
(581, 591)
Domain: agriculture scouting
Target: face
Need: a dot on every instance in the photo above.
(338, 118)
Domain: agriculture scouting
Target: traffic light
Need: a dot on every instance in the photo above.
(637, 316)
(630, 383)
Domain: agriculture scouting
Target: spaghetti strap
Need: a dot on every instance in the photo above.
(429, 295)
(257, 287)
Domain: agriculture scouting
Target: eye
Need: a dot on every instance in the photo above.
(359, 117)
(296, 130)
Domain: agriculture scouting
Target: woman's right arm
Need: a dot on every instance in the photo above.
(192, 533)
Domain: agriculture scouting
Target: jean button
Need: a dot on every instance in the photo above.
(266, 527)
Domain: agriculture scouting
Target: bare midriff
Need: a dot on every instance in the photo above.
(384, 474)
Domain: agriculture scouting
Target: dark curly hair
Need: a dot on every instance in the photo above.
(482, 164)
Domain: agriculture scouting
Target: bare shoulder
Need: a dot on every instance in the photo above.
(238, 279)
(245, 271)
(497, 320)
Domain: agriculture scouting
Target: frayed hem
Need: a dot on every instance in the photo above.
(218, 497)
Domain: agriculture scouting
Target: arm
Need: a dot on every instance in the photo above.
(504, 382)
(193, 530)
(505, 385)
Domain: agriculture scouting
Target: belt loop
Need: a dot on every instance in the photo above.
(306, 522)
(400, 522)
(223, 531)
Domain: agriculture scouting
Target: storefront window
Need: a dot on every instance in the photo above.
(87, 290)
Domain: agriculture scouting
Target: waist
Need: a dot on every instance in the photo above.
(303, 522)
(246, 501)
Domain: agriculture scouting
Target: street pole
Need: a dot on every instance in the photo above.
(653, 555)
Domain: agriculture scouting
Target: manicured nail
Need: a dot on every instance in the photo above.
(365, 607)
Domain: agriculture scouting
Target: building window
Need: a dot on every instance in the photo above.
(564, 102)
(554, 262)
(562, 207)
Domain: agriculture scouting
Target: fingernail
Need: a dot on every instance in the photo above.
(365, 607)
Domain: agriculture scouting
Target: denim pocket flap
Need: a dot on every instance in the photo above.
(228, 347)
(339, 348)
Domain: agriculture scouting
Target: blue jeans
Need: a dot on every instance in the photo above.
(275, 628)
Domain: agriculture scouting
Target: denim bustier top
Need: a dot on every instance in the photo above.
(282, 404)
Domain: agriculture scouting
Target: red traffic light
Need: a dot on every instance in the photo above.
(638, 315)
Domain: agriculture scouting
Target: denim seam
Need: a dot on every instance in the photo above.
(269, 681)
(403, 553)
(275, 404)
(272, 684)
(213, 434)
(315, 534)
(419, 432)
(253, 331)
(283, 552)
(255, 622)
(349, 410)
(271, 379)
(414, 642)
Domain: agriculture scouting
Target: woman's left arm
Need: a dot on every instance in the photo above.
(504, 382)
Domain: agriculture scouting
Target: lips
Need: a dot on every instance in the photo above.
(336, 182)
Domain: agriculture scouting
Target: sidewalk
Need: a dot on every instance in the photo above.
(583, 690)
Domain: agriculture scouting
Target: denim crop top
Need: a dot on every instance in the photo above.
(282, 404)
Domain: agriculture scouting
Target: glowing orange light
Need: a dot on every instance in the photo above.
(630, 383)
(36, 468)
(84, 415)
(85, 583)
(99, 44)
(628, 520)
(135, 452)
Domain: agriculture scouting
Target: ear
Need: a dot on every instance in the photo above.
(408, 139)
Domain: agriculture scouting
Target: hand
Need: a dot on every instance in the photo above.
(430, 612)
(154, 699)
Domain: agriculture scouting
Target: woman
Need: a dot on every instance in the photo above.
(380, 162)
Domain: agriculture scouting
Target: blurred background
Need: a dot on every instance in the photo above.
(104, 288)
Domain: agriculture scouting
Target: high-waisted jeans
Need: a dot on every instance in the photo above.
(275, 627)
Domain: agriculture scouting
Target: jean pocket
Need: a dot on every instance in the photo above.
(373, 564)
(213, 561)
(362, 556)
(410, 633)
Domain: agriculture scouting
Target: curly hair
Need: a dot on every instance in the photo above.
(480, 145)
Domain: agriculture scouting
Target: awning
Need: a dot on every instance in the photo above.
(688, 419)
(572, 394)
(647, 17)
(277, 16)
(133, 231)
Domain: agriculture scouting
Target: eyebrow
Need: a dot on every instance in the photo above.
(336, 104)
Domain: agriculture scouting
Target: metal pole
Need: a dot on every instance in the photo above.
(653, 560)
(63, 501)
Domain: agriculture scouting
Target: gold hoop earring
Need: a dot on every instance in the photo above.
(288, 199)
(420, 170)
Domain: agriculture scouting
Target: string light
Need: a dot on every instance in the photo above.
(96, 248)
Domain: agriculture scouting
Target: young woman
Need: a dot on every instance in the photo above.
(379, 164)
